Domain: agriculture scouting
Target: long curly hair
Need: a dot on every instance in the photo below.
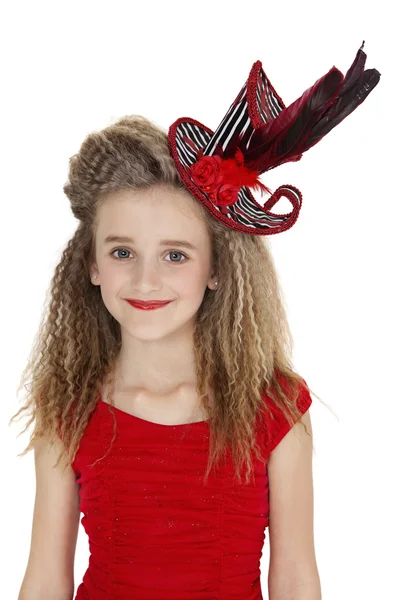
(78, 340)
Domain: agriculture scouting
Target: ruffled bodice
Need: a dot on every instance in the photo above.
(155, 530)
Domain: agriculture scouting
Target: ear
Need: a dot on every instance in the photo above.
(94, 271)
(211, 282)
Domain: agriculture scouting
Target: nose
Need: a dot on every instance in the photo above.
(145, 275)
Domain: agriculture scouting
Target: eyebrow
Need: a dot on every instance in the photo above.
(110, 239)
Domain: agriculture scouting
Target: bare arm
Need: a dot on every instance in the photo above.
(50, 571)
(293, 572)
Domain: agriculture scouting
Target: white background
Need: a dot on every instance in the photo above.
(68, 68)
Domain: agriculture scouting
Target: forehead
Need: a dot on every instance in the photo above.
(159, 213)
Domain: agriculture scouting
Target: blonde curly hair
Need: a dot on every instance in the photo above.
(78, 340)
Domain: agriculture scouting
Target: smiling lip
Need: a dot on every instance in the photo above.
(147, 305)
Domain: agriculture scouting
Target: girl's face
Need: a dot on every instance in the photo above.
(147, 267)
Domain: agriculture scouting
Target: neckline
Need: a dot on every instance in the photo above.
(135, 418)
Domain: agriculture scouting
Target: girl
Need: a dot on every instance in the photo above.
(184, 428)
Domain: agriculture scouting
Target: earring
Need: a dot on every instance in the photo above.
(94, 277)
(216, 283)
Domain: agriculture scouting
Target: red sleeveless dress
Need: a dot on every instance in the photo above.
(155, 531)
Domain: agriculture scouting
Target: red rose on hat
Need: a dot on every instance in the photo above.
(225, 195)
(206, 172)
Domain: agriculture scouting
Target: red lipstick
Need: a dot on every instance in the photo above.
(150, 305)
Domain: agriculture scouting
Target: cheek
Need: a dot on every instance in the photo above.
(112, 279)
(190, 283)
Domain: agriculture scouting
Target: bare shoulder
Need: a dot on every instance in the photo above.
(55, 524)
(291, 499)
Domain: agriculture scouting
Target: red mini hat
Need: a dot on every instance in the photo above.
(259, 133)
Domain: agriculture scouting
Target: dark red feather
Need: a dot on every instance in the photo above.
(307, 120)
(273, 141)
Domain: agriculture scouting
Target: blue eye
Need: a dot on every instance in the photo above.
(171, 252)
(177, 252)
(118, 250)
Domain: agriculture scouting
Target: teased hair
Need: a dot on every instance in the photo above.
(242, 340)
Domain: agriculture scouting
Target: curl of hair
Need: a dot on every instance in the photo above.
(78, 341)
